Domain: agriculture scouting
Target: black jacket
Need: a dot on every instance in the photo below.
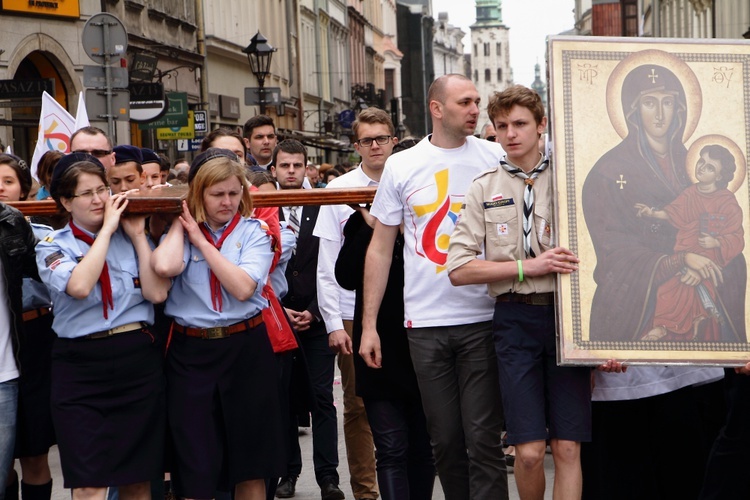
(17, 242)
(396, 379)
(302, 269)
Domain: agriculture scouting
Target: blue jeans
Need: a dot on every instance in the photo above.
(8, 411)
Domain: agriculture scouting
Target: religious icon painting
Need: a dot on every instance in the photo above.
(651, 138)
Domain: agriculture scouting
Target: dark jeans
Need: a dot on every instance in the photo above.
(456, 369)
(320, 363)
(405, 465)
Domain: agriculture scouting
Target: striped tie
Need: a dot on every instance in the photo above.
(293, 224)
(528, 199)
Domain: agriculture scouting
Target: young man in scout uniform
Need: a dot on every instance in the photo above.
(508, 213)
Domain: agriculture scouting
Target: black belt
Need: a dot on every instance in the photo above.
(533, 299)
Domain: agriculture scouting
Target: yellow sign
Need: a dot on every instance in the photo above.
(186, 132)
(58, 8)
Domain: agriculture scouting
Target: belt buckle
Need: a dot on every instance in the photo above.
(216, 332)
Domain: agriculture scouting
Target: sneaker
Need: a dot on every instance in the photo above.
(287, 487)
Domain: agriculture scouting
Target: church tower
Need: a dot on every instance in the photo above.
(539, 85)
(490, 53)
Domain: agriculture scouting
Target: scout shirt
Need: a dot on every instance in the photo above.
(492, 218)
(189, 302)
(56, 257)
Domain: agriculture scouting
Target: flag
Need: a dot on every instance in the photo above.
(56, 126)
(82, 116)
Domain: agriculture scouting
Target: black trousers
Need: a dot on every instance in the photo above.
(320, 362)
(649, 448)
(729, 462)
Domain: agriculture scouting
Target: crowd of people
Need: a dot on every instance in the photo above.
(178, 355)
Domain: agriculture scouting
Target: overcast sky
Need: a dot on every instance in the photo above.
(530, 21)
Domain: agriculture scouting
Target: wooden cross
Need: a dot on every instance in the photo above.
(169, 200)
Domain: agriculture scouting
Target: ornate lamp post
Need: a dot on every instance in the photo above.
(259, 54)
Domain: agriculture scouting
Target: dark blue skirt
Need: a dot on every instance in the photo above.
(108, 408)
(223, 407)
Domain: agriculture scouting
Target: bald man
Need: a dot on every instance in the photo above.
(449, 328)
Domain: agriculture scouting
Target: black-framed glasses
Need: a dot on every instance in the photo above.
(97, 153)
(89, 195)
(381, 139)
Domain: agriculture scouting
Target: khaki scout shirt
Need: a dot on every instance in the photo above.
(492, 218)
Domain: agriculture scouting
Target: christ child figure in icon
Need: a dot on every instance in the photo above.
(708, 220)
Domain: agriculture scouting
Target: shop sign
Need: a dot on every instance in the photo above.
(187, 132)
(26, 89)
(176, 115)
(56, 8)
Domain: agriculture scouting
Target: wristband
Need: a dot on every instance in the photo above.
(520, 270)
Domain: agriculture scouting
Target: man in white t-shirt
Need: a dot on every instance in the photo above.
(375, 140)
(449, 328)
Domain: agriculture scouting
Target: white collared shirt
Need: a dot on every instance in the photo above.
(335, 303)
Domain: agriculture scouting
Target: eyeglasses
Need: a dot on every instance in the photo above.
(89, 195)
(98, 153)
(491, 138)
(381, 139)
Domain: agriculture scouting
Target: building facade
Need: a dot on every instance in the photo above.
(448, 47)
(333, 58)
(230, 25)
(490, 52)
(163, 48)
(40, 49)
(664, 18)
(415, 30)
(392, 57)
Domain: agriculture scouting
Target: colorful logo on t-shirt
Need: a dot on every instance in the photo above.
(441, 213)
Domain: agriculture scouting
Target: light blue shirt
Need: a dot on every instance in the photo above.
(189, 302)
(56, 257)
(42, 193)
(35, 294)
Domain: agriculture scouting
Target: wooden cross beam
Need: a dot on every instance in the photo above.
(169, 200)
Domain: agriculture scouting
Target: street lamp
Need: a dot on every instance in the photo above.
(259, 54)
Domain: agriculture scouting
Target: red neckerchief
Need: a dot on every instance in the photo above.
(215, 284)
(107, 299)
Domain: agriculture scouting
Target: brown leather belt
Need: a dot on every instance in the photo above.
(219, 332)
(533, 299)
(36, 313)
(129, 327)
